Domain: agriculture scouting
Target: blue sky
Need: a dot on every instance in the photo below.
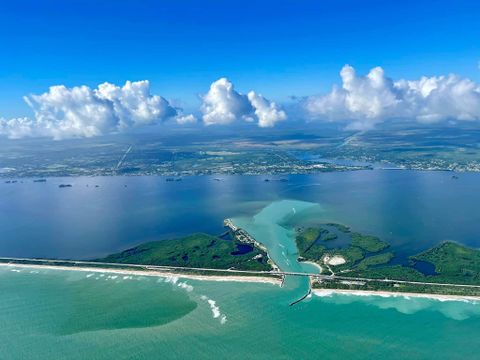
(278, 48)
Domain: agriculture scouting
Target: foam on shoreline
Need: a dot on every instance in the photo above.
(387, 294)
(164, 274)
(236, 278)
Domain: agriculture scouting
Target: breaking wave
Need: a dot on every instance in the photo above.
(453, 308)
(216, 313)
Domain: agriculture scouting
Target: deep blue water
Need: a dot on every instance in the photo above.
(412, 210)
(242, 249)
(425, 267)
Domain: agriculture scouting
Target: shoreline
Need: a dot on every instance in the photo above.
(387, 294)
(245, 279)
(152, 273)
(5, 176)
(318, 266)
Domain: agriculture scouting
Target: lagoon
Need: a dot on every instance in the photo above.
(412, 210)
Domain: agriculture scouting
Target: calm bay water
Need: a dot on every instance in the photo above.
(53, 314)
(411, 209)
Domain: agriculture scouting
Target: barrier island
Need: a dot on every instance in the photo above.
(363, 262)
(197, 251)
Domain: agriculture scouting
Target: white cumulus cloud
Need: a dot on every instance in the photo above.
(224, 105)
(367, 100)
(186, 119)
(267, 112)
(80, 111)
(16, 128)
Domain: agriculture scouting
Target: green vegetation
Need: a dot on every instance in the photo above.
(307, 238)
(375, 260)
(368, 243)
(308, 242)
(352, 255)
(395, 287)
(340, 227)
(197, 250)
(396, 272)
(329, 236)
(311, 246)
(454, 262)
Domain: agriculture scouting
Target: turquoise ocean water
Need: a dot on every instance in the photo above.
(52, 314)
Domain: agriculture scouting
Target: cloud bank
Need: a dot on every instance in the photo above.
(223, 105)
(364, 101)
(361, 102)
(80, 111)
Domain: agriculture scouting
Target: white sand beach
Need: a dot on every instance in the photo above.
(330, 292)
(235, 278)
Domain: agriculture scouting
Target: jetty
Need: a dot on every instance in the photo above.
(303, 297)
